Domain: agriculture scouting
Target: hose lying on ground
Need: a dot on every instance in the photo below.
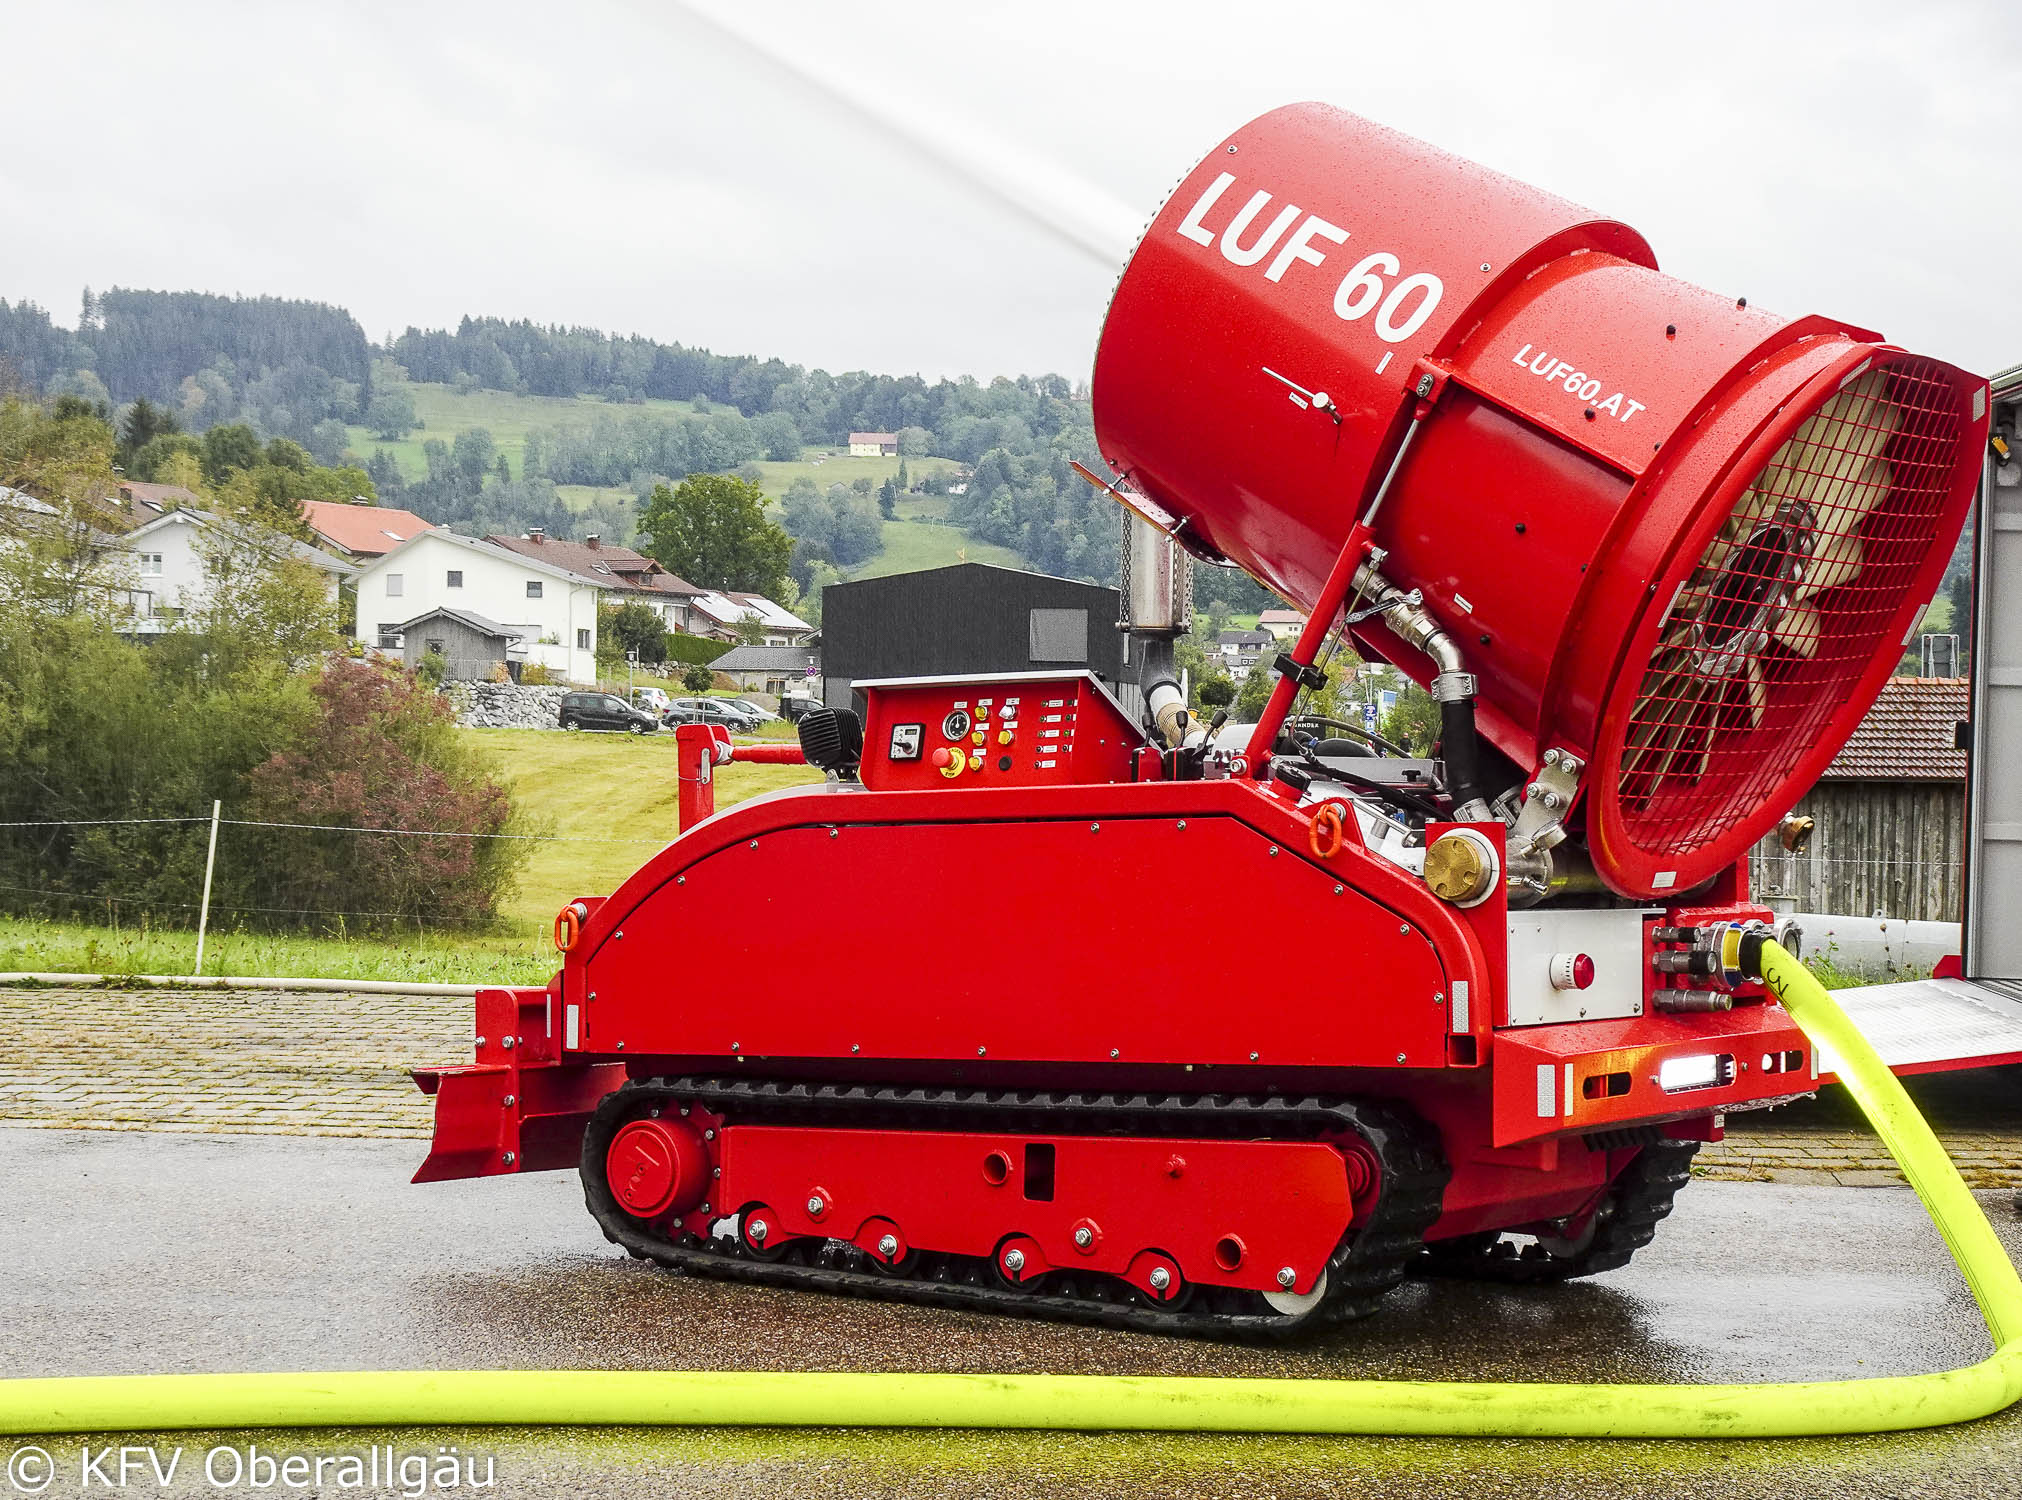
(1086, 1402)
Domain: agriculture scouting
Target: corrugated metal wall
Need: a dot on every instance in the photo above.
(1893, 847)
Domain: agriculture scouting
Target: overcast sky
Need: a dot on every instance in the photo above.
(622, 166)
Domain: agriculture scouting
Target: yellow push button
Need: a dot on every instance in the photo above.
(1003, 736)
(981, 735)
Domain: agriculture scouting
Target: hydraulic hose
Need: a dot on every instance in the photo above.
(1148, 1403)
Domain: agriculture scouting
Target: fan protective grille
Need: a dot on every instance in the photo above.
(1788, 605)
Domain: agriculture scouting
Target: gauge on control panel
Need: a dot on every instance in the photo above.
(956, 724)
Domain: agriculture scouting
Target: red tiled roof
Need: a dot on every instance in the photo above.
(874, 437)
(1908, 734)
(363, 530)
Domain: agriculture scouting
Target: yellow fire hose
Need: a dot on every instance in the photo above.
(1086, 1402)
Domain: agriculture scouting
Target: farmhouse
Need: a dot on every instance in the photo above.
(551, 609)
(172, 570)
(874, 445)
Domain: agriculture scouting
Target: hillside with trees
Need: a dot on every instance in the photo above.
(630, 415)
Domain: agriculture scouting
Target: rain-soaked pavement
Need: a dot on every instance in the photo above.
(130, 1252)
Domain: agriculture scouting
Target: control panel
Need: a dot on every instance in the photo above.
(1024, 729)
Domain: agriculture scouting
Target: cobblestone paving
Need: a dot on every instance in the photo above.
(1977, 1114)
(264, 1063)
(225, 1061)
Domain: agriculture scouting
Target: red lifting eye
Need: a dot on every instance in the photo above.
(1572, 971)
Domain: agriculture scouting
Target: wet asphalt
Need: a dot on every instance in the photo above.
(126, 1252)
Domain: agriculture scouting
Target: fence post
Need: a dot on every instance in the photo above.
(210, 863)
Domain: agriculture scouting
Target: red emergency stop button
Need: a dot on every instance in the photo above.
(1572, 971)
(949, 762)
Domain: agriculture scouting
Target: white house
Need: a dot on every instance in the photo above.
(874, 445)
(552, 610)
(171, 574)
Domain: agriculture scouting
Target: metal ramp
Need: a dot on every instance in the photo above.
(1934, 1025)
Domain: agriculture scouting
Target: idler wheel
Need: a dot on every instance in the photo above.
(656, 1167)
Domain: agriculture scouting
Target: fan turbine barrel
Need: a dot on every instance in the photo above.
(1598, 442)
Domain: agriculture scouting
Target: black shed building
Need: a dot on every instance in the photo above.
(970, 617)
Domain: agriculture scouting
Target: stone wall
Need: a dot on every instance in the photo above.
(504, 705)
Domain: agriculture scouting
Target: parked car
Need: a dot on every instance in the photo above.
(704, 711)
(796, 706)
(603, 711)
(651, 699)
(751, 713)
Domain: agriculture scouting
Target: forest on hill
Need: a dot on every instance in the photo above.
(306, 371)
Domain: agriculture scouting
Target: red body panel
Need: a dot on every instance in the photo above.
(1282, 1203)
(1006, 932)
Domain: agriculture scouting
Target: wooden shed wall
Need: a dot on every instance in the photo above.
(1893, 847)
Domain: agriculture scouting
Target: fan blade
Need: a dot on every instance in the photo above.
(1842, 504)
(1837, 561)
(1758, 693)
(1799, 630)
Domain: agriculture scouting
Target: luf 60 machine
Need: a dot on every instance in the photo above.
(1130, 1022)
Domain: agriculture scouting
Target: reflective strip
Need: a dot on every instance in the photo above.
(1460, 1025)
(1548, 1091)
(572, 1020)
(1569, 1091)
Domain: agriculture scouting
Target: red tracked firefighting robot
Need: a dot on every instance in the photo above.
(1653, 552)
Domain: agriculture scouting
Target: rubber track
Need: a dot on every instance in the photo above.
(1374, 1255)
(1638, 1200)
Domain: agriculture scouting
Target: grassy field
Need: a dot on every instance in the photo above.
(34, 945)
(611, 788)
(825, 470)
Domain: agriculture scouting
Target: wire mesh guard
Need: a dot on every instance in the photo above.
(1790, 602)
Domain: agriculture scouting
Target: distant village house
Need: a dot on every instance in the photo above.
(874, 445)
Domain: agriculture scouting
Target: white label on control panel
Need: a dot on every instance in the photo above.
(1612, 939)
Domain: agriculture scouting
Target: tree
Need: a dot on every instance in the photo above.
(902, 476)
(144, 422)
(781, 439)
(888, 501)
(698, 679)
(58, 564)
(750, 630)
(712, 529)
(391, 412)
(1217, 692)
(1218, 617)
(1254, 694)
(286, 453)
(228, 448)
(915, 442)
(1414, 722)
(634, 627)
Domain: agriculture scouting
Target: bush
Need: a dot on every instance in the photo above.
(698, 679)
(536, 674)
(695, 649)
(382, 752)
(1217, 692)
